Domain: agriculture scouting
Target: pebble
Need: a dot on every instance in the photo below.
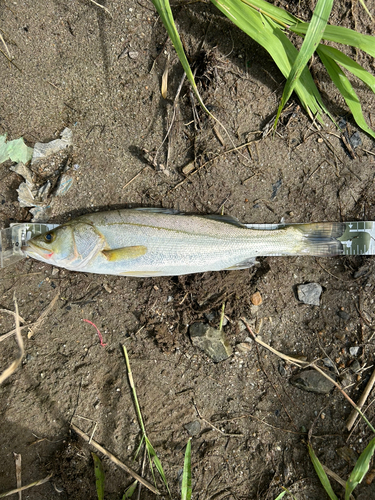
(355, 366)
(343, 315)
(211, 341)
(355, 140)
(312, 381)
(193, 428)
(256, 299)
(309, 293)
(328, 363)
(353, 351)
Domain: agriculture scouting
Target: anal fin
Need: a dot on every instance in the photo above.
(245, 264)
(124, 253)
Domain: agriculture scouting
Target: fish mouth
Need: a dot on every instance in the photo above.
(33, 250)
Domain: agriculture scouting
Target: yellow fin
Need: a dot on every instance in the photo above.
(124, 253)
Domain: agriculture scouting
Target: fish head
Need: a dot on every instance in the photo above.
(55, 247)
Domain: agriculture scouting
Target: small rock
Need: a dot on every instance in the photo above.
(210, 316)
(355, 140)
(355, 366)
(281, 369)
(362, 271)
(193, 428)
(243, 347)
(133, 54)
(312, 381)
(211, 341)
(343, 315)
(346, 379)
(353, 351)
(256, 299)
(309, 293)
(328, 363)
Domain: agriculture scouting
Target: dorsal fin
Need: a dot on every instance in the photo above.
(170, 211)
(224, 218)
(155, 210)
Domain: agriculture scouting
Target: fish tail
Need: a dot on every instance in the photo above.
(320, 238)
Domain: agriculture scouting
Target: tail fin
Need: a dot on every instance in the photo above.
(320, 238)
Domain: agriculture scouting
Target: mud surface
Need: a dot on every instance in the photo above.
(75, 66)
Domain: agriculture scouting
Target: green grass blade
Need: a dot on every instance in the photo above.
(282, 494)
(267, 33)
(321, 474)
(165, 13)
(360, 468)
(313, 36)
(342, 35)
(280, 16)
(129, 492)
(366, 9)
(186, 490)
(99, 475)
(155, 459)
(343, 84)
(350, 65)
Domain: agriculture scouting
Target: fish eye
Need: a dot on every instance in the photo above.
(49, 237)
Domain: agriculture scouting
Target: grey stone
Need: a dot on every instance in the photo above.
(210, 316)
(353, 351)
(312, 381)
(343, 315)
(193, 428)
(355, 366)
(355, 140)
(309, 293)
(211, 341)
(328, 363)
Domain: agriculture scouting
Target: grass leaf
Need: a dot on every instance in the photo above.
(313, 36)
(130, 490)
(343, 84)
(342, 35)
(155, 459)
(360, 469)
(282, 494)
(350, 65)
(186, 475)
(164, 10)
(268, 34)
(321, 473)
(99, 475)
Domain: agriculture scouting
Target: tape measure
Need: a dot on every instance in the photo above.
(357, 239)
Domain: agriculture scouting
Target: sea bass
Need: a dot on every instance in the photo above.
(162, 242)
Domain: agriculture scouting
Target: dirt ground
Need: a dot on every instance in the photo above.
(76, 66)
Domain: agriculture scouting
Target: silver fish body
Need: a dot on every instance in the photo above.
(157, 242)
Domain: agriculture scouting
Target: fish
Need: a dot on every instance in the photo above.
(145, 242)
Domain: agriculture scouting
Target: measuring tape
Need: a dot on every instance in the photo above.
(357, 239)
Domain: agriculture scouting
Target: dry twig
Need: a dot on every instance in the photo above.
(13, 367)
(115, 460)
(23, 488)
(362, 400)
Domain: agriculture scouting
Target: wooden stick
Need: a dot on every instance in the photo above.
(115, 460)
(23, 488)
(354, 414)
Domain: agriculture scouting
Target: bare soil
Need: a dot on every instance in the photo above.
(76, 66)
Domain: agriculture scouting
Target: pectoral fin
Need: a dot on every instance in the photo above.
(123, 253)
